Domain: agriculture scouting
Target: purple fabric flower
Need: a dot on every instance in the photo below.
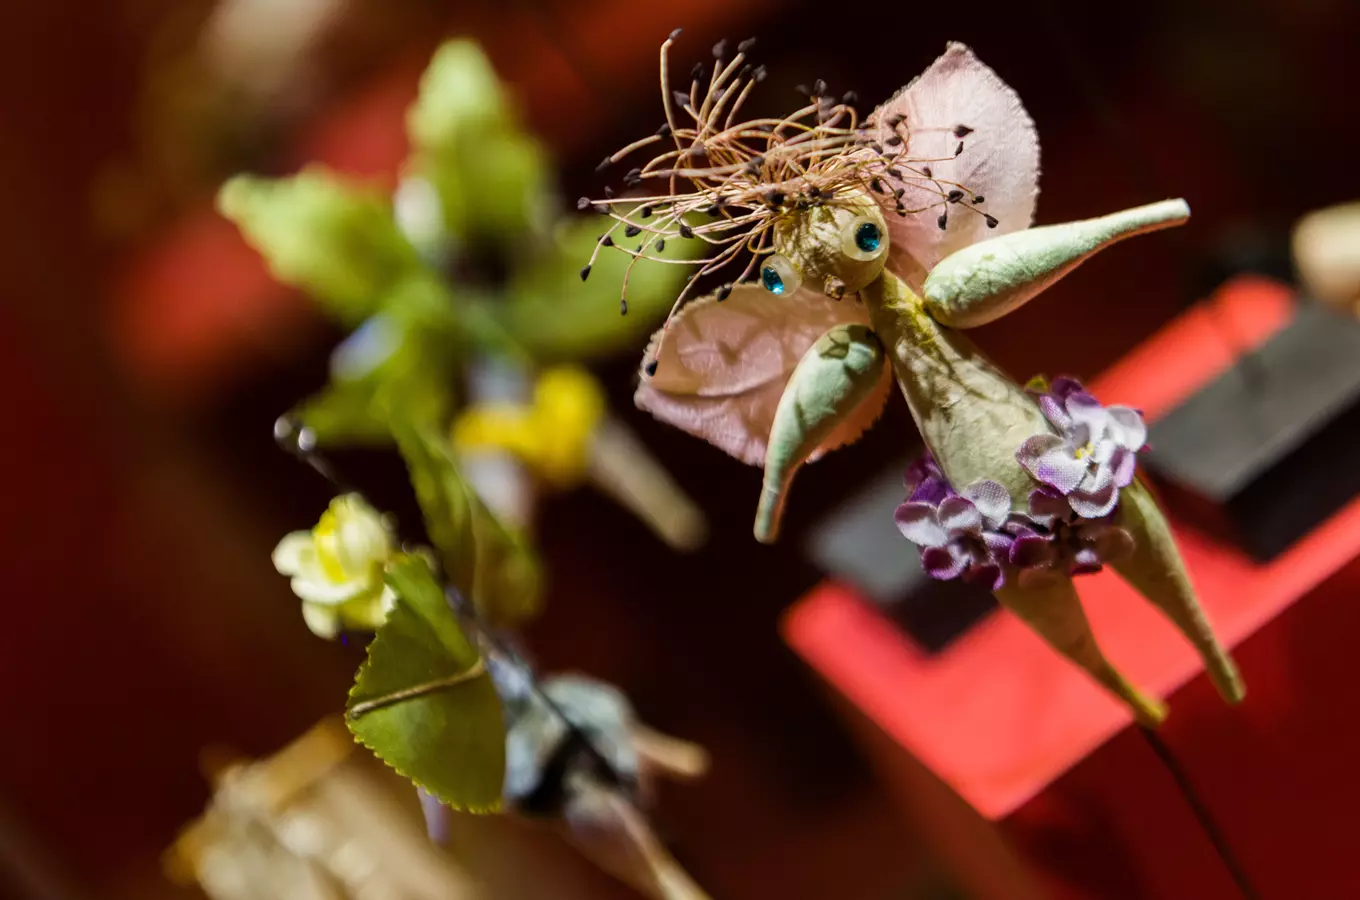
(1053, 541)
(926, 483)
(959, 535)
(1093, 455)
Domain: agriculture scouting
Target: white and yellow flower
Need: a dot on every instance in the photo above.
(337, 567)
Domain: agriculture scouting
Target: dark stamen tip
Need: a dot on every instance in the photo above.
(720, 49)
(606, 241)
(962, 131)
(686, 231)
(760, 73)
(631, 231)
(954, 196)
(645, 212)
(746, 45)
(604, 164)
(585, 272)
(664, 130)
(802, 89)
(583, 204)
(895, 141)
(850, 98)
(724, 292)
(676, 33)
(958, 149)
(660, 245)
(979, 199)
(819, 88)
(623, 306)
(925, 170)
(650, 368)
(609, 193)
(991, 220)
(943, 221)
(697, 73)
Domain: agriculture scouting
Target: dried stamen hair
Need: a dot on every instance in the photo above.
(726, 182)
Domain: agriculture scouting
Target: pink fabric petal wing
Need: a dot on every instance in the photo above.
(721, 367)
(999, 162)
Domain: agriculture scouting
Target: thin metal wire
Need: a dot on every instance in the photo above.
(1201, 812)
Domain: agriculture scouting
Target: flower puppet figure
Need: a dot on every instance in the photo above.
(859, 250)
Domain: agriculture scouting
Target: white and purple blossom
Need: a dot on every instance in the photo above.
(1053, 541)
(1094, 453)
(960, 535)
(926, 482)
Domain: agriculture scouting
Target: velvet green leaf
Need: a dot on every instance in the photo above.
(423, 701)
(488, 562)
(334, 240)
(556, 315)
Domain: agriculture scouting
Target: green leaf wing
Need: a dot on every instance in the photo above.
(489, 563)
(423, 701)
(334, 240)
(557, 316)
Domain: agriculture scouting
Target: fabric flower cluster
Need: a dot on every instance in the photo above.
(1068, 525)
(1094, 452)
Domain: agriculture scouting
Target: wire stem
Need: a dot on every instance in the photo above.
(1201, 813)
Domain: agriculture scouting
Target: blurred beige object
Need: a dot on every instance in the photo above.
(259, 45)
(313, 822)
(1326, 248)
(622, 467)
(323, 820)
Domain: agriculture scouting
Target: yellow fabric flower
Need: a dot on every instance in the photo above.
(554, 436)
(337, 567)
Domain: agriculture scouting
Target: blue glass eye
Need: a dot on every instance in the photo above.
(771, 280)
(779, 277)
(868, 237)
(862, 238)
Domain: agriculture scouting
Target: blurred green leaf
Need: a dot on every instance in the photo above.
(424, 703)
(556, 315)
(491, 176)
(460, 97)
(402, 361)
(489, 563)
(336, 241)
(415, 379)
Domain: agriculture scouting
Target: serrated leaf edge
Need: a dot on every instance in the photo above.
(488, 809)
